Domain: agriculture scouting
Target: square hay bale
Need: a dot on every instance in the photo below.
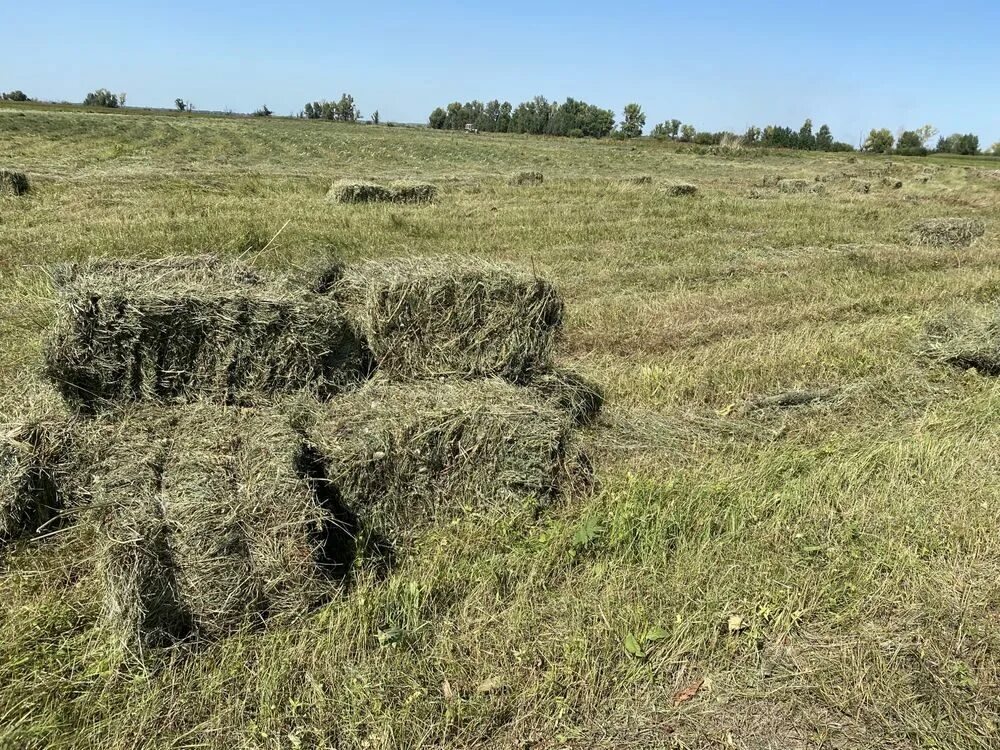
(13, 182)
(352, 191)
(413, 192)
(965, 337)
(207, 522)
(892, 183)
(349, 191)
(680, 189)
(860, 186)
(403, 454)
(431, 317)
(526, 178)
(173, 330)
(34, 461)
(948, 232)
(574, 394)
(795, 186)
(638, 179)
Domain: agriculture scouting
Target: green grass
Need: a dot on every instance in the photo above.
(856, 537)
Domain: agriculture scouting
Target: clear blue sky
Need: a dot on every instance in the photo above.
(722, 64)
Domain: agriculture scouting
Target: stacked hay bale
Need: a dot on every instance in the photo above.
(13, 183)
(350, 191)
(177, 329)
(401, 454)
(207, 523)
(948, 232)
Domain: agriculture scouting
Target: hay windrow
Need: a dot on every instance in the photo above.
(403, 454)
(13, 183)
(526, 178)
(948, 232)
(133, 331)
(207, 524)
(433, 317)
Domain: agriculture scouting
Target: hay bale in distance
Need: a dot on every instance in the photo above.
(433, 317)
(403, 454)
(638, 179)
(892, 183)
(348, 191)
(680, 189)
(795, 186)
(526, 178)
(860, 186)
(207, 523)
(131, 332)
(13, 182)
(951, 232)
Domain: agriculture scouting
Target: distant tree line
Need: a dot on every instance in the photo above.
(773, 136)
(14, 96)
(916, 142)
(538, 116)
(342, 111)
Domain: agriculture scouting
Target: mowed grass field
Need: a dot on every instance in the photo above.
(821, 576)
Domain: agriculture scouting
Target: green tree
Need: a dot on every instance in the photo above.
(824, 138)
(15, 96)
(101, 98)
(263, 112)
(910, 143)
(807, 141)
(995, 149)
(179, 103)
(688, 133)
(437, 118)
(375, 117)
(633, 120)
(879, 141)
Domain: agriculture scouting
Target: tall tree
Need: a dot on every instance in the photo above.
(634, 120)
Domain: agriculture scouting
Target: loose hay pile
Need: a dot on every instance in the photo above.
(526, 178)
(13, 182)
(217, 505)
(949, 232)
(433, 317)
(348, 191)
(180, 329)
(207, 522)
(965, 337)
(400, 455)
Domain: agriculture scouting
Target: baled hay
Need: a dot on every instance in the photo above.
(13, 182)
(348, 191)
(209, 525)
(35, 432)
(953, 232)
(965, 337)
(429, 317)
(796, 186)
(892, 183)
(860, 186)
(771, 180)
(403, 454)
(526, 178)
(680, 189)
(638, 179)
(579, 397)
(130, 332)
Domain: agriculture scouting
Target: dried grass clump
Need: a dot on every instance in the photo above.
(403, 454)
(208, 523)
(579, 397)
(178, 330)
(433, 317)
(680, 189)
(13, 182)
(952, 232)
(526, 178)
(965, 337)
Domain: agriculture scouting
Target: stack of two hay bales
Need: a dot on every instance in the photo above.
(213, 510)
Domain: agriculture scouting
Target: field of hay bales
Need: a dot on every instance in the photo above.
(786, 536)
